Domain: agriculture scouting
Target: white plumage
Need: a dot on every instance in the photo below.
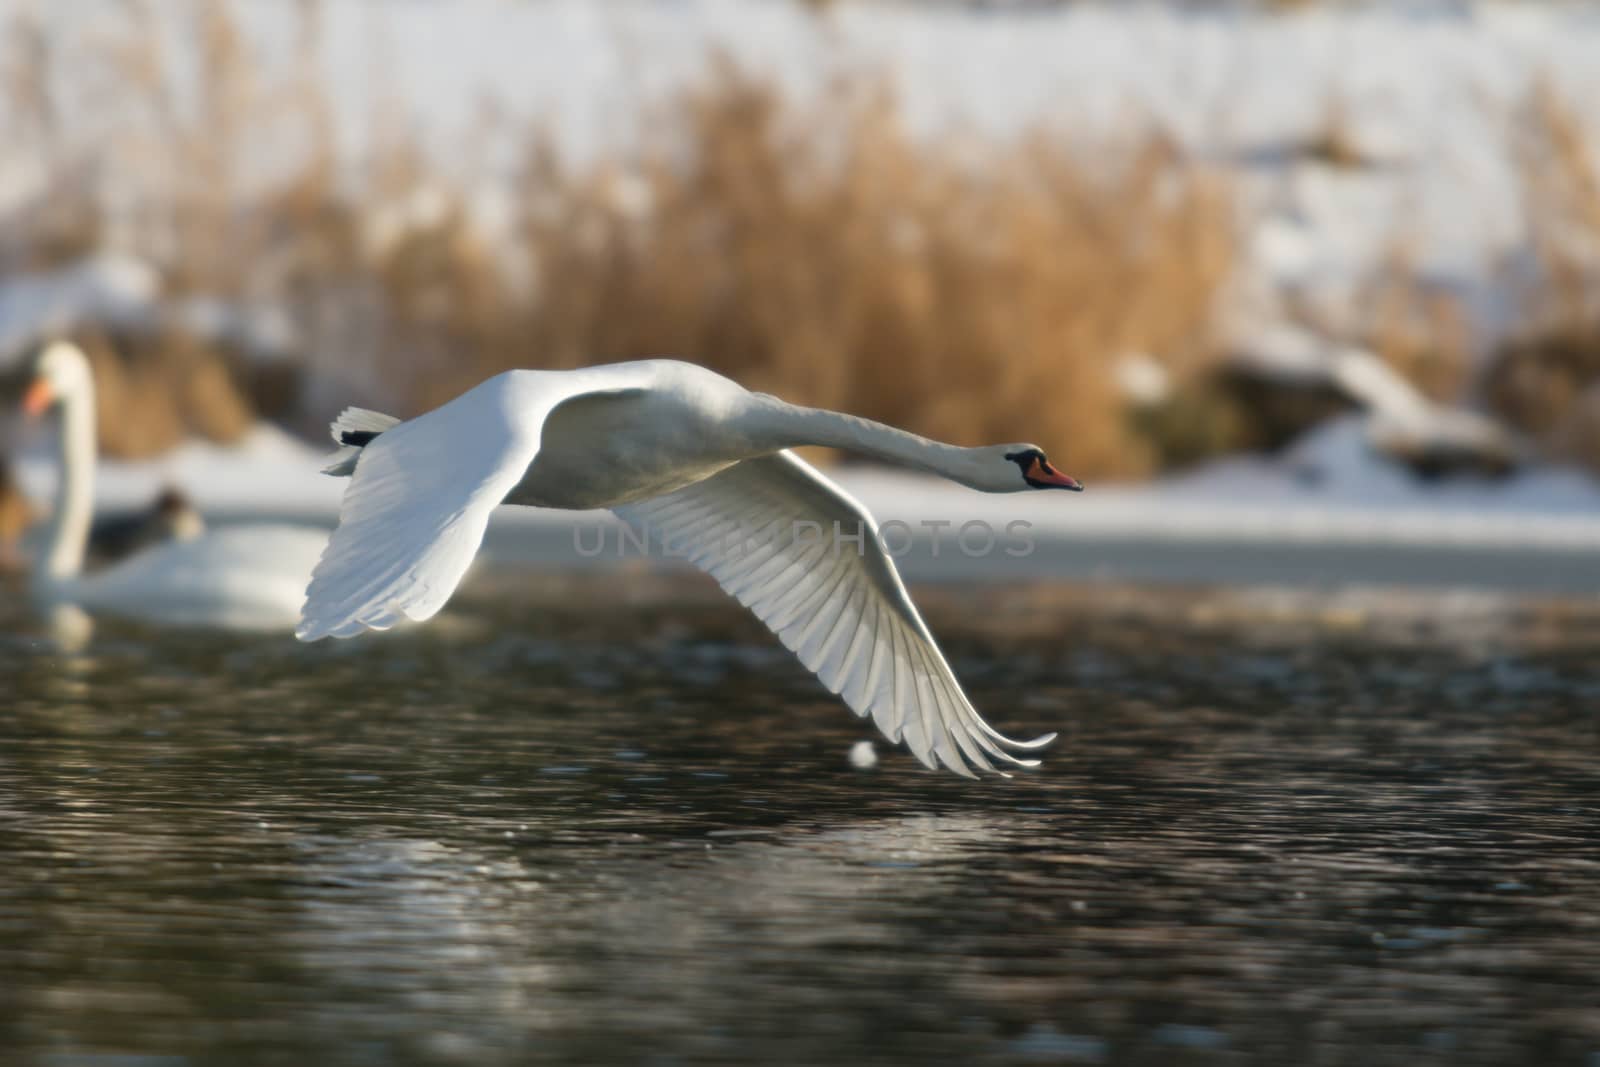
(234, 577)
(690, 459)
(243, 577)
(414, 515)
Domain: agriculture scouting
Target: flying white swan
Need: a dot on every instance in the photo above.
(691, 459)
(240, 577)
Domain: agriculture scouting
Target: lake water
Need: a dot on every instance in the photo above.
(610, 820)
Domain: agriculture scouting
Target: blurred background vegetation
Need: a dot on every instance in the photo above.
(973, 288)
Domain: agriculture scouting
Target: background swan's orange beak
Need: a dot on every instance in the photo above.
(38, 398)
(1044, 474)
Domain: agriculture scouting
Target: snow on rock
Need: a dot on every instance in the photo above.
(1440, 440)
(1406, 425)
(268, 473)
(1401, 422)
(104, 290)
(1285, 354)
(123, 294)
(1142, 379)
(1335, 470)
(260, 331)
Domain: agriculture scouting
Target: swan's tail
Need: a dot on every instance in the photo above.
(353, 430)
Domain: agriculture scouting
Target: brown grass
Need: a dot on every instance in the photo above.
(1421, 331)
(972, 290)
(977, 292)
(15, 516)
(1545, 379)
(154, 391)
(822, 254)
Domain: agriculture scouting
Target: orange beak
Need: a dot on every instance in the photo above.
(1042, 474)
(38, 398)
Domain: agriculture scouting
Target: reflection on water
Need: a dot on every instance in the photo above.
(1307, 832)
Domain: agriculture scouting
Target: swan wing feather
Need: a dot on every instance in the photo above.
(358, 420)
(415, 512)
(353, 420)
(839, 605)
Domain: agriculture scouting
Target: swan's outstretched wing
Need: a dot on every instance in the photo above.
(414, 513)
(765, 530)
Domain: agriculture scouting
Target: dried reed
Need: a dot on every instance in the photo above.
(820, 252)
(810, 249)
(1545, 379)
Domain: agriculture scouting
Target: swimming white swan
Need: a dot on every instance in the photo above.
(689, 458)
(240, 577)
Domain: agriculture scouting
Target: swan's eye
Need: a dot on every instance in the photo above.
(1025, 459)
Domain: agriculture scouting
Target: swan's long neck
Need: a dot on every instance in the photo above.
(69, 526)
(781, 425)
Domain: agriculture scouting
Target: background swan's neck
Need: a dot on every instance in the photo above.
(788, 426)
(74, 507)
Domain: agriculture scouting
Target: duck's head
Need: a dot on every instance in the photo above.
(176, 515)
(60, 370)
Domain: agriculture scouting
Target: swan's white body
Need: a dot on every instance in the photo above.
(236, 577)
(693, 459)
(242, 577)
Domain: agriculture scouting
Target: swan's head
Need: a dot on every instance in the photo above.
(60, 371)
(1026, 467)
(176, 515)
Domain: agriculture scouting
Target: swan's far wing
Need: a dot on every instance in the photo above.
(415, 511)
(765, 530)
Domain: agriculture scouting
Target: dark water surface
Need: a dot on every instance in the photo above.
(609, 820)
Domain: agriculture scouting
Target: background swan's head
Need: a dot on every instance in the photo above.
(1026, 467)
(59, 371)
